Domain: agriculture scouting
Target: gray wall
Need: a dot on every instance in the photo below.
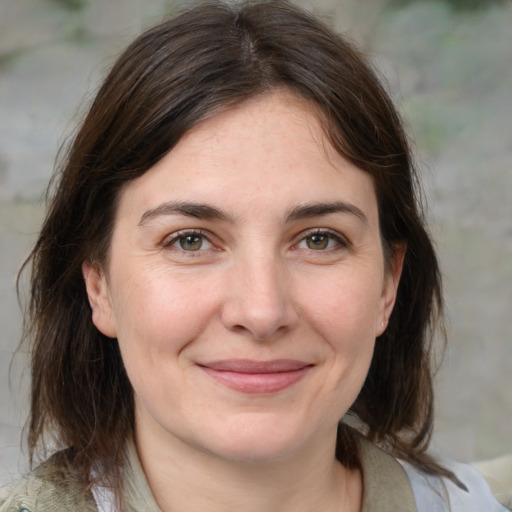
(451, 70)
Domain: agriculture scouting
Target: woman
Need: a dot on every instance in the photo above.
(234, 293)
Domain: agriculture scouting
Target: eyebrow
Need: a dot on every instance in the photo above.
(188, 209)
(307, 211)
(205, 211)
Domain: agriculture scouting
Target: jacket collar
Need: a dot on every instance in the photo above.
(386, 487)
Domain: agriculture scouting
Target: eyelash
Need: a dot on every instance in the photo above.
(341, 241)
(174, 238)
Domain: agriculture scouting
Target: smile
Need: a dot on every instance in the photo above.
(257, 377)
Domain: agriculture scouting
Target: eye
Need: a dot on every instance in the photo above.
(189, 241)
(321, 240)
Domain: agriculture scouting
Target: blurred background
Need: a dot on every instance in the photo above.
(448, 64)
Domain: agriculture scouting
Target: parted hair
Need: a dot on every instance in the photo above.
(184, 70)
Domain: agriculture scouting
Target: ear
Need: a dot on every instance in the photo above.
(390, 287)
(99, 299)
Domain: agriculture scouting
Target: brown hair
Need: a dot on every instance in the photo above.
(173, 76)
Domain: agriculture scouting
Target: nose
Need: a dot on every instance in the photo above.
(259, 301)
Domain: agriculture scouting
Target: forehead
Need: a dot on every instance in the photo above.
(269, 151)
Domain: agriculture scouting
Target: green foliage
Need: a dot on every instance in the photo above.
(74, 5)
(456, 5)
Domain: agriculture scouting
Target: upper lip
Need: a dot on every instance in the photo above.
(253, 366)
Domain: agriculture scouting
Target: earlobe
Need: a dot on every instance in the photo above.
(390, 288)
(99, 299)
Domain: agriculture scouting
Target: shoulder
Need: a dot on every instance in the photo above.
(498, 474)
(47, 488)
(433, 493)
(393, 485)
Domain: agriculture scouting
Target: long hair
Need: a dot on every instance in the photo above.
(172, 77)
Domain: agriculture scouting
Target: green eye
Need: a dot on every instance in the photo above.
(191, 242)
(317, 242)
(321, 240)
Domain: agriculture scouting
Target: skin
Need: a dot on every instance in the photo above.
(283, 261)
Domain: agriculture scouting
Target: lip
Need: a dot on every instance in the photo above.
(256, 377)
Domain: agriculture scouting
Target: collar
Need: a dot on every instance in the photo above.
(386, 486)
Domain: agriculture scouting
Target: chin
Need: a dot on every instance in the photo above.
(259, 443)
(257, 453)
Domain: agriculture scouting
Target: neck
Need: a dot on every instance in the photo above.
(183, 478)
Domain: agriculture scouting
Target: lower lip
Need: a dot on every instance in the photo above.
(257, 383)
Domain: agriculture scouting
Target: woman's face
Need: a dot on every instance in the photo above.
(246, 285)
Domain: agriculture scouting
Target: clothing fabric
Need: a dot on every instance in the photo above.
(432, 493)
(389, 485)
(498, 474)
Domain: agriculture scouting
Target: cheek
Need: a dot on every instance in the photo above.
(344, 313)
(157, 316)
(345, 307)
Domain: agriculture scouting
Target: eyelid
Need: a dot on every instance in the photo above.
(336, 235)
(172, 238)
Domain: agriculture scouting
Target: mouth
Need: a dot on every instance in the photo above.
(257, 377)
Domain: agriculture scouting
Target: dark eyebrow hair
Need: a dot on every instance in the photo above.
(205, 211)
(317, 209)
(188, 209)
